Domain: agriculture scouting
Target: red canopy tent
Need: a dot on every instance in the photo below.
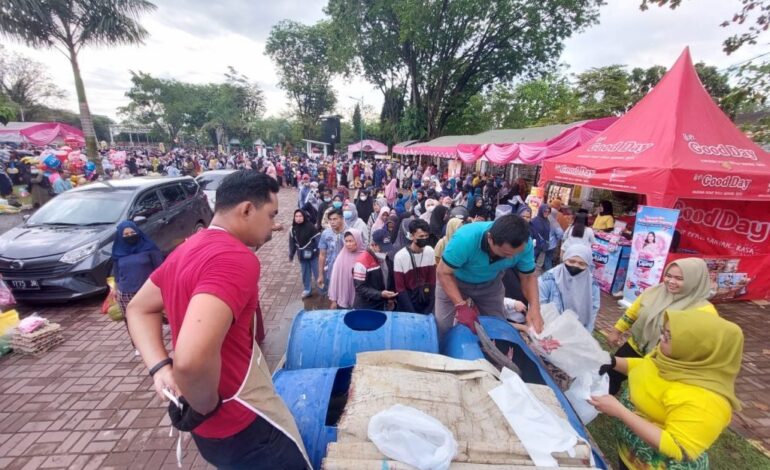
(675, 143)
(678, 148)
(369, 146)
(42, 133)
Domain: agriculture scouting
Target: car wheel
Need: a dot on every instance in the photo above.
(199, 226)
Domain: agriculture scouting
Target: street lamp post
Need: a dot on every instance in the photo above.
(360, 127)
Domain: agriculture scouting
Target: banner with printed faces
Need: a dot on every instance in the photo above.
(653, 232)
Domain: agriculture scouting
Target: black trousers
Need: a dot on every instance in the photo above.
(616, 378)
(259, 446)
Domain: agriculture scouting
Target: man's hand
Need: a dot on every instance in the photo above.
(467, 315)
(608, 405)
(164, 378)
(386, 294)
(320, 282)
(185, 418)
(614, 338)
(534, 319)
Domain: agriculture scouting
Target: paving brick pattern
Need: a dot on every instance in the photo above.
(88, 403)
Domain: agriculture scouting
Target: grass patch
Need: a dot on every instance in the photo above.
(730, 451)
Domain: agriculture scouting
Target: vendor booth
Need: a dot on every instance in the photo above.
(368, 147)
(41, 133)
(680, 151)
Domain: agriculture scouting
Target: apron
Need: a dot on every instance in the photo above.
(258, 395)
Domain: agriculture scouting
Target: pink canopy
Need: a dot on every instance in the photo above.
(42, 133)
(469, 149)
(371, 146)
(675, 143)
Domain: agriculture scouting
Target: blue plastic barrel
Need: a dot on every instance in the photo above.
(332, 338)
(461, 343)
(315, 397)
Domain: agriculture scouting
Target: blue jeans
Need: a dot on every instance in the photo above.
(309, 270)
(548, 259)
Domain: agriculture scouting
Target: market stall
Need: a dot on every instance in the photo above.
(680, 151)
(41, 133)
(367, 146)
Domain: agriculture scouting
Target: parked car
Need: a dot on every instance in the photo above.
(63, 251)
(209, 181)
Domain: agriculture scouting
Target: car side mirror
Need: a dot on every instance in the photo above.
(140, 219)
(25, 217)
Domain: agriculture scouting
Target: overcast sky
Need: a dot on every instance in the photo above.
(195, 41)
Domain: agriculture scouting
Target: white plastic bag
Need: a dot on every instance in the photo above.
(584, 387)
(412, 437)
(540, 431)
(565, 343)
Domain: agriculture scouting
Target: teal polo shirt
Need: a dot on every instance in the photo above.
(469, 255)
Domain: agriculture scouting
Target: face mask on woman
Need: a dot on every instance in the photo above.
(347, 214)
(337, 204)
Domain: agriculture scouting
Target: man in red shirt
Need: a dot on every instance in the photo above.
(208, 288)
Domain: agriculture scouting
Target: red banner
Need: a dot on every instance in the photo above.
(724, 227)
(734, 239)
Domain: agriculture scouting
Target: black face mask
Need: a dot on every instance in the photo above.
(131, 239)
(574, 270)
(421, 242)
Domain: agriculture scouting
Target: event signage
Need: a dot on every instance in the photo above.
(653, 231)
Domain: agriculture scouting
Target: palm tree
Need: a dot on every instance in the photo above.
(68, 25)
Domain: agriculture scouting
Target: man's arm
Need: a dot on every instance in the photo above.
(197, 360)
(144, 316)
(321, 265)
(446, 278)
(530, 291)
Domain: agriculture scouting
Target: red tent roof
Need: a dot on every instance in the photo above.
(675, 143)
(42, 133)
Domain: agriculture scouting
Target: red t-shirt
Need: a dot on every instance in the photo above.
(214, 262)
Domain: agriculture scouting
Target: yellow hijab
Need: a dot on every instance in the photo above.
(451, 227)
(657, 299)
(706, 351)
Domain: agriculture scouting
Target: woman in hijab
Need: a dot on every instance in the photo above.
(380, 222)
(430, 205)
(571, 286)
(303, 242)
(379, 203)
(352, 220)
(134, 258)
(479, 212)
(391, 190)
(393, 223)
(364, 205)
(680, 397)
(437, 223)
(342, 291)
(451, 227)
(685, 286)
(540, 229)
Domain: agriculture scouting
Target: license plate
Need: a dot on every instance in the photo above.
(23, 284)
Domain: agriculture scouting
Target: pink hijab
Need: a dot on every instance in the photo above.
(379, 223)
(391, 191)
(341, 288)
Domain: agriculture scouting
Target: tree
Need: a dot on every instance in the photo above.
(357, 123)
(7, 113)
(25, 83)
(68, 26)
(758, 8)
(446, 52)
(305, 68)
(391, 115)
(548, 100)
(603, 91)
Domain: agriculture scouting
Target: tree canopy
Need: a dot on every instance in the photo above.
(25, 83)
(446, 52)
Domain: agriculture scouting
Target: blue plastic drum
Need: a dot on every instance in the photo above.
(316, 398)
(461, 343)
(332, 338)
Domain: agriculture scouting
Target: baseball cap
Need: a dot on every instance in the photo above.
(382, 238)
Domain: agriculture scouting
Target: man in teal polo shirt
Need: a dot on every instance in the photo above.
(472, 267)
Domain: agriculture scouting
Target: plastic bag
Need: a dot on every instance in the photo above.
(412, 437)
(565, 343)
(110, 305)
(6, 295)
(584, 387)
(8, 321)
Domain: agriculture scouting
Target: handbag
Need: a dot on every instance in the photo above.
(307, 252)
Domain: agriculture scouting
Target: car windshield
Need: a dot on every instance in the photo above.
(210, 182)
(82, 208)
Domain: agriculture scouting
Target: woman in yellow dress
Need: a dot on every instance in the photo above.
(680, 397)
(605, 221)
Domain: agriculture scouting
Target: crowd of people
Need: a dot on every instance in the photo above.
(408, 237)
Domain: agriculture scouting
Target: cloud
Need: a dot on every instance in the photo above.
(196, 40)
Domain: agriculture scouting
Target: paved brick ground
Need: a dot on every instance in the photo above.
(87, 403)
(753, 381)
